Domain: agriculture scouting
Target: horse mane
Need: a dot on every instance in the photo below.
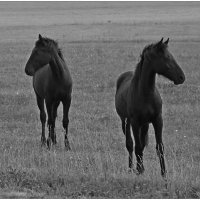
(47, 42)
(138, 70)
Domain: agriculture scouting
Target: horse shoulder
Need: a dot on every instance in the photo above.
(67, 79)
(157, 97)
(144, 108)
(154, 105)
(40, 80)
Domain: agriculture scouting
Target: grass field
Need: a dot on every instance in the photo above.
(99, 41)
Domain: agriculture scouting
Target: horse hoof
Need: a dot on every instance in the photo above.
(164, 176)
(54, 140)
(131, 170)
(67, 146)
(140, 170)
(43, 142)
(49, 143)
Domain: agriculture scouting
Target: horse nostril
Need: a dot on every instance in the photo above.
(26, 71)
(182, 78)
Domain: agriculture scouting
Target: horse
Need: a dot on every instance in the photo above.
(138, 102)
(52, 84)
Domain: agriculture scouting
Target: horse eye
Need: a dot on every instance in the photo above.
(36, 52)
(168, 67)
(167, 56)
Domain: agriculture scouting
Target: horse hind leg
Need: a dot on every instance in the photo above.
(40, 103)
(66, 105)
(55, 107)
(144, 135)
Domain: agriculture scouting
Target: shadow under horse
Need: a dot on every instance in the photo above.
(52, 83)
(138, 102)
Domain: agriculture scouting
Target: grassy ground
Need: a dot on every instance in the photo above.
(99, 42)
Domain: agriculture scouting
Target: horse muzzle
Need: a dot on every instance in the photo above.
(180, 80)
(29, 71)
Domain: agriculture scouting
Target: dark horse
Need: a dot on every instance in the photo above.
(52, 83)
(138, 101)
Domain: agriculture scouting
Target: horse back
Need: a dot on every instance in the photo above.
(124, 78)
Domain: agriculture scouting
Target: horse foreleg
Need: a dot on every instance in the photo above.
(40, 103)
(138, 147)
(158, 125)
(66, 105)
(129, 141)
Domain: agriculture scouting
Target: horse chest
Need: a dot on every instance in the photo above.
(144, 113)
(59, 91)
(147, 113)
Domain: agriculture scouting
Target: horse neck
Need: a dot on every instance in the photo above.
(57, 65)
(146, 82)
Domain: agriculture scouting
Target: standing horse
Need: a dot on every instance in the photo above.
(52, 83)
(138, 102)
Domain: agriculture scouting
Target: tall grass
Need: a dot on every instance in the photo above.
(88, 171)
(97, 165)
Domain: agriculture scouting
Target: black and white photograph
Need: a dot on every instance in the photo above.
(100, 99)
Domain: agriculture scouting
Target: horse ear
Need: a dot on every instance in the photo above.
(159, 45)
(166, 42)
(40, 37)
(161, 41)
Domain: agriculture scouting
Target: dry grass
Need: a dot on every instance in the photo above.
(97, 165)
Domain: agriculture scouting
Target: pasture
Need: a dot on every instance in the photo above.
(99, 40)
